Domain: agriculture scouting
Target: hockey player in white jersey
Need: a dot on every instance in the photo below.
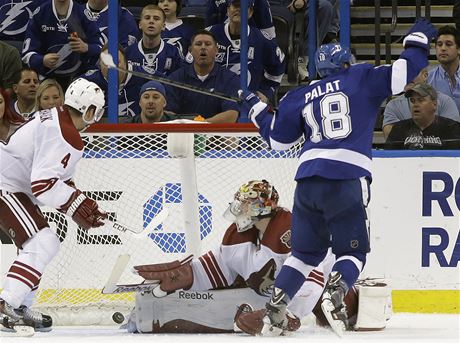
(38, 163)
(251, 254)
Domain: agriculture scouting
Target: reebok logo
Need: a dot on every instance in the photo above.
(196, 295)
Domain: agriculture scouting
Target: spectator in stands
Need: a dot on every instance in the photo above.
(128, 31)
(446, 77)
(152, 101)
(152, 54)
(10, 66)
(328, 25)
(398, 108)
(14, 16)
(49, 95)
(25, 89)
(9, 121)
(265, 59)
(204, 73)
(456, 13)
(424, 130)
(216, 13)
(61, 41)
(176, 31)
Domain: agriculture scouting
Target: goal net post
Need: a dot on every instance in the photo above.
(135, 172)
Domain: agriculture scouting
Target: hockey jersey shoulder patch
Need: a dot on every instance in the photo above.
(277, 236)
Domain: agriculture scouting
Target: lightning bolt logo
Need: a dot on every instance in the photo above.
(13, 13)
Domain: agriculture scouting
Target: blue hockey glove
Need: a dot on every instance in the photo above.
(254, 103)
(420, 34)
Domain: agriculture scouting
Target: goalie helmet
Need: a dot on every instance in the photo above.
(330, 59)
(81, 95)
(253, 201)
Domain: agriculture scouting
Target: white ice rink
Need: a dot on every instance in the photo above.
(402, 328)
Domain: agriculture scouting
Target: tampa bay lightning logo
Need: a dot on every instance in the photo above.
(165, 236)
(15, 15)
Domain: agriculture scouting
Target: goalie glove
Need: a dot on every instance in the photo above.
(170, 276)
(83, 210)
(420, 35)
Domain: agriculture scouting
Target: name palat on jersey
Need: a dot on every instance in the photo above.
(322, 89)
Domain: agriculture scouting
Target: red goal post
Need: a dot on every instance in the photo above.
(135, 171)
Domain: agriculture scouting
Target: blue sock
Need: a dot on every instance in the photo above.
(349, 271)
(290, 280)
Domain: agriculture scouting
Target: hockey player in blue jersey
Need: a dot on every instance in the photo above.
(336, 117)
(176, 32)
(265, 59)
(153, 55)
(128, 32)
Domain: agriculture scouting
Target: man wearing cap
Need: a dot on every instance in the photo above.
(266, 61)
(152, 101)
(424, 130)
(398, 108)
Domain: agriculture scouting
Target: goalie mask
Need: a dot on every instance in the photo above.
(253, 201)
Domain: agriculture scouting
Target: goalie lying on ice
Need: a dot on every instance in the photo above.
(241, 270)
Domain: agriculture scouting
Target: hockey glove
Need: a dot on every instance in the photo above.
(420, 35)
(84, 211)
(254, 103)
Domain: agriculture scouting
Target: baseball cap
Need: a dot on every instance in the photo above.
(153, 86)
(423, 90)
(229, 2)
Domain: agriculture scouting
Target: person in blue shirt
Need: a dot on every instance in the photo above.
(128, 32)
(335, 117)
(176, 32)
(204, 72)
(445, 78)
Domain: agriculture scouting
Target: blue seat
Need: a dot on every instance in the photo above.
(194, 16)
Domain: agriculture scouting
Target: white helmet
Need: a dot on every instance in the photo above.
(81, 94)
(253, 201)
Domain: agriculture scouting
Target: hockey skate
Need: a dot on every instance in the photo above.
(333, 304)
(11, 323)
(275, 319)
(40, 322)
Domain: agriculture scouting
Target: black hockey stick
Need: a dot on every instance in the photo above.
(107, 59)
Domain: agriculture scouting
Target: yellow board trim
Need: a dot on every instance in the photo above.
(426, 301)
(404, 301)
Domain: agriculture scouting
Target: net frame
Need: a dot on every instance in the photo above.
(192, 150)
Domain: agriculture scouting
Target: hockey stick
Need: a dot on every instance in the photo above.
(107, 59)
(156, 221)
(111, 286)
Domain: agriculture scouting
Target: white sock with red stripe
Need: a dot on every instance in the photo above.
(26, 271)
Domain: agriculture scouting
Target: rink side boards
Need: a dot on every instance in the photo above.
(415, 238)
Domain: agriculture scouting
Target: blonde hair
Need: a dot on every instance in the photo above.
(45, 84)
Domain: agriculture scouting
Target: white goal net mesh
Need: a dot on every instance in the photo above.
(134, 177)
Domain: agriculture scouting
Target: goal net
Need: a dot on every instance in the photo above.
(134, 172)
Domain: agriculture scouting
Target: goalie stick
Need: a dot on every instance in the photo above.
(111, 286)
(156, 221)
(107, 59)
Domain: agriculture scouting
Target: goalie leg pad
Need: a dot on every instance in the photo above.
(373, 307)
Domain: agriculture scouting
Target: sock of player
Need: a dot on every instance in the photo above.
(290, 280)
(350, 272)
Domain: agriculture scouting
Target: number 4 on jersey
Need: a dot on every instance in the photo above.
(65, 160)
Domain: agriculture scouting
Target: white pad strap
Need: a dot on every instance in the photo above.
(373, 307)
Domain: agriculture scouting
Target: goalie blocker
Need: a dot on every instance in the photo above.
(213, 311)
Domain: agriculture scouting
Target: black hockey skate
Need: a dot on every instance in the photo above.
(275, 320)
(333, 304)
(39, 321)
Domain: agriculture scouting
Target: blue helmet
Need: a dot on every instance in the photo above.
(329, 59)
